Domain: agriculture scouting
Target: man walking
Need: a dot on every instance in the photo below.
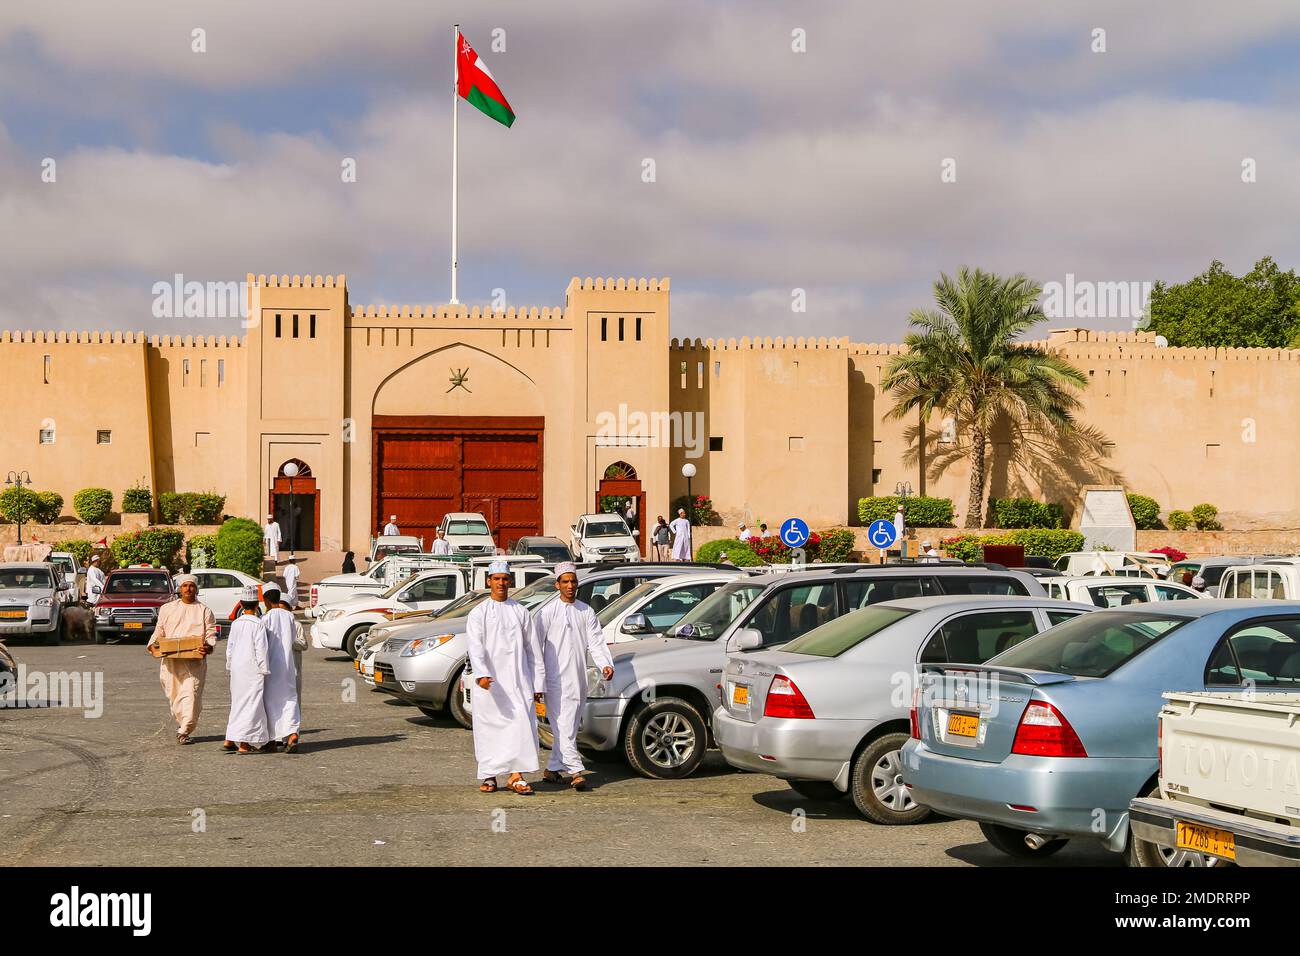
(508, 676)
(285, 643)
(681, 529)
(570, 635)
(271, 538)
(95, 578)
(291, 575)
(182, 679)
(248, 665)
(661, 536)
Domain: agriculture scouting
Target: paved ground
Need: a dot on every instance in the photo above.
(378, 783)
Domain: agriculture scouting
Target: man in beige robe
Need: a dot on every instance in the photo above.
(182, 680)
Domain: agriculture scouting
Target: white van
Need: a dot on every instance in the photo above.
(1278, 579)
(1120, 563)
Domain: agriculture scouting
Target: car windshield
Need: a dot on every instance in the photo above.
(66, 565)
(621, 603)
(550, 552)
(467, 526)
(137, 584)
(835, 637)
(1213, 574)
(532, 595)
(708, 619)
(37, 578)
(1091, 645)
(605, 528)
(462, 605)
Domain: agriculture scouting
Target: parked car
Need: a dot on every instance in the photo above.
(1057, 747)
(1116, 590)
(1205, 810)
(66, 562)
(468, 533)
(1278, 579)
(828, 712)
(32, 600)
(1151, 563)
(130, 602)
(550, 549)
(651, 608)
(219, 592)
(376, 579)
(603, 538)
(341, 625)
(657, 707)
(386, 545)
(1210, 570)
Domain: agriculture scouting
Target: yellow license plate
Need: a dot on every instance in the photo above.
(1193, 836)
(740, 695)
(379, 677)
(540, 707)
(963, 725)
(11, 614)
(133, 625)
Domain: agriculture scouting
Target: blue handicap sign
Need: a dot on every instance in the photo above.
(881, 534)
(794, 532)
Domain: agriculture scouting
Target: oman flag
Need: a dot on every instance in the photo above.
(475, 84)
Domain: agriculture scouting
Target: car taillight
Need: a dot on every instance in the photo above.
(1044, 732)
(313, 595)
(913, 717)
(785, 700)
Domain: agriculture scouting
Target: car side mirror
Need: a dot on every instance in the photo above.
(65, 585)
(748, 639)
(636, 624)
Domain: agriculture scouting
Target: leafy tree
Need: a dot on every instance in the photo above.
(1217, 309)
(93, 505)
(964, 359)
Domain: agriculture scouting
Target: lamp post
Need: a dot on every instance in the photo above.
(688, 472)
(291, 472)
(19, 480)
(902, 490)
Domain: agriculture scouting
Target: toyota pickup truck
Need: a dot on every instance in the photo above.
(130, 602)
(1229, 787)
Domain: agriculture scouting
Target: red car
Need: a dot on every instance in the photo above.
(130, 602)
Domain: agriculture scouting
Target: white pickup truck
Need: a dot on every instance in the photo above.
(1229, 782)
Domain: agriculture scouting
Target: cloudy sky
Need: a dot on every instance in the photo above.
(775, 169)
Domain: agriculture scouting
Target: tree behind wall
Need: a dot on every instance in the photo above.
(239, 546)
(1219, 310)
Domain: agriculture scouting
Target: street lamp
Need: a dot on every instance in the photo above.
(902, 490)
(19, 479)
(291, 472)
(688, 472)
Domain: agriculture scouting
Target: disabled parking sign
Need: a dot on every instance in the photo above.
(881, 534)
(794, 532)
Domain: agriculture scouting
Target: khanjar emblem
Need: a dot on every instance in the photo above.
(459, 376)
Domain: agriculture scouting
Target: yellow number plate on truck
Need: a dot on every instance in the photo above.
(963, 725)
(740, 695)
(133, 626)
(1193, 836)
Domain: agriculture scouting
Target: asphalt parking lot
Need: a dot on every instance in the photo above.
(377, 783)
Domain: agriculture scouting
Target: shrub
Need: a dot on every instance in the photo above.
(137, 501)
(19, 504)
(964, 547)
(738, 552)
(920, 512)
(49, 505)
(836, 546)
(80, 549)
(169, 507)
(1180, 520)
(1026, 513)
(190, 507)
(1206, 518)
(239, 546)
(1045, 542)
(158, 546)
(201, 551)
(1173, 554)
(1146, 512)
(775, 551)
(93, 505)
(703, 511)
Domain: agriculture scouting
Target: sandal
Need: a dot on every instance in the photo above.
(182, 738)
(244, 749)
(229, 746)
(291, 745)
(552, 776)
(579, 782)
(520, 787)
(488, 786)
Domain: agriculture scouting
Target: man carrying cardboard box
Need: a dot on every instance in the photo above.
(184, 637)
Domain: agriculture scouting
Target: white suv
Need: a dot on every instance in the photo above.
(468, 533)
(603, 538)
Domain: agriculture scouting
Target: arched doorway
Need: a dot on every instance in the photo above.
(295, 503)
(618, 489)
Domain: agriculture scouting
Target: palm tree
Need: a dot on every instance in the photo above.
(963, 359)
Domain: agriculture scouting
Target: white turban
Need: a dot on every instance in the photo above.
(565, 567)
(249, 593)
(498, 567)
(186, 579)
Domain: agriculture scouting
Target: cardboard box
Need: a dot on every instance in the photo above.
(180, 648)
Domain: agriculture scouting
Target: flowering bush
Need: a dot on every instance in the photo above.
(775, 551)
(701, 510)
(1173, 554)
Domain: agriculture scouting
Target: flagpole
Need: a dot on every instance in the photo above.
(455, 95)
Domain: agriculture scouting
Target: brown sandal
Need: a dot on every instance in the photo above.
(579, 782)
(552, 776)
(520, 787)
(488, 786)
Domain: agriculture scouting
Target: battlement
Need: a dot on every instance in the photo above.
(62, 337)
(1063, 336)
(297, 282)
(616, 285)
(461, 312)
(732, 345)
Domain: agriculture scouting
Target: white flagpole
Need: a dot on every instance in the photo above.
(455, 95)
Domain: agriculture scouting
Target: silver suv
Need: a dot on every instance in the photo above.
(31, 600)
(658, 707)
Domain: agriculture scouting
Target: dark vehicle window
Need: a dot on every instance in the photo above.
(599, 593)
(1092, 645)
(439, 588)
(549, 552)
(974, 638)
(668, 608)
(137, 584)
(793, 611)
(1213, 574)
(863, 592)
(35, 578)
(221, 581)
(1060, 617)
(846, 632)
(1266, 654)
(1165, 593)
(981, 584)
(1118, 595)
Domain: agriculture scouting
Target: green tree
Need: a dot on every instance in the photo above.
(964, 359)
(1219, 310)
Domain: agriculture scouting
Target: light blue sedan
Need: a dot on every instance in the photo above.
(1050, 740)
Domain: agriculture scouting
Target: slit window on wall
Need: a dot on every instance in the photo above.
(277, 325)
(311, 326)
(683, 374)
(221, 372)
(295, 325)
(604, 328)
(638, 328)
(699, 375)
(46, 369)
(620, 328)
(185, 372)
(717, 370)
(203, 372)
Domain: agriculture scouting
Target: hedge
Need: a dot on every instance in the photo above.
(1026, 513)
(93, 505)
(920, 511)
(239, 546)
(158, 546)
(190, 507)
(137, 501)
(1206, 517)
(1146, 512)
(18, 504)
(1180, 520)
(201, 551)
(1044, 542)
(738, 552)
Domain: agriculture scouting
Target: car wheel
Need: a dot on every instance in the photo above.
(1012, 842)
(876, 784)
(1144, 853)
(354, 635)
(53, 636)
(456, 703)
(666, 739)
(816, 789)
